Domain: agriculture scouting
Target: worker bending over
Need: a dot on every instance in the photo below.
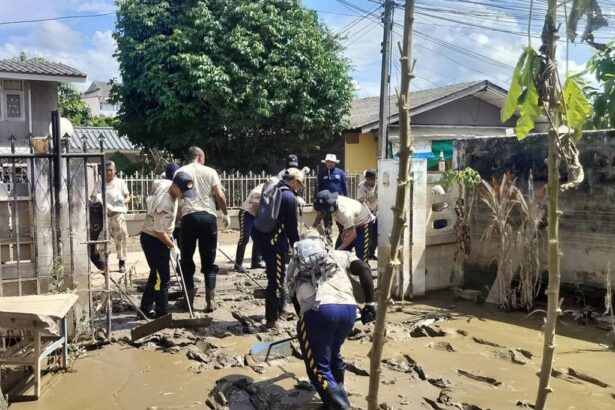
(322, 294)
(157, 242)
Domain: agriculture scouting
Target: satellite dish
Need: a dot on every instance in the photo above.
(66, 127)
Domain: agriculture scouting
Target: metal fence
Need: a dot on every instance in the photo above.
(237, 187)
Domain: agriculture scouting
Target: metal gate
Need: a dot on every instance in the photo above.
(44, 220)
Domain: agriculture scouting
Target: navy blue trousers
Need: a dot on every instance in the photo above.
(246, 223)
(199, 227)
(321, 335)
(361, 243)
(157, 255)
(274, 249)
(373, 238)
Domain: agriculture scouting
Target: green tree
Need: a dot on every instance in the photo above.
(102, 121)
(72, 105)
(246, 80)
(602, 66)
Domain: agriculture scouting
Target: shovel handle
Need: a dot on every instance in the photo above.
(277, 342)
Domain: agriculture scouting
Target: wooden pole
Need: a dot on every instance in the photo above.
(400, 211)
(549, 39)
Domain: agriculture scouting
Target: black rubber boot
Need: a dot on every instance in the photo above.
(162, 303)
(210, 298)
(239, 258)
(181, 304)
(147, 301)
(335, 398)
(256, 264)
(338, 375)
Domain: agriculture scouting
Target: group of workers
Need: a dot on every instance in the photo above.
(319, 279)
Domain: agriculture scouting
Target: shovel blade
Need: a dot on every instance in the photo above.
(259, 350)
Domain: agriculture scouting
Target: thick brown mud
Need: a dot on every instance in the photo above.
(438, 356)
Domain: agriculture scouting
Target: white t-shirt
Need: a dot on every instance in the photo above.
(160, 217)
(116, 191)
(251, 203)
(351, 213)
(336, 290)
(368, 195)
(205, 178)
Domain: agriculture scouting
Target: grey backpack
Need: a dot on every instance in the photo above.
(268, 211)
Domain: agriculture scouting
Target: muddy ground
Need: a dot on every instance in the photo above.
(441, 353)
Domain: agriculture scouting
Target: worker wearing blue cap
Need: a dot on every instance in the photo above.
(157, 242)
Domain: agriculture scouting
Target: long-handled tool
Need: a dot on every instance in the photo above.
(241, 268)
(183, 285)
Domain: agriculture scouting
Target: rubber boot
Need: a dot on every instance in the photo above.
(239, 258)
(335, 398)
(147, 302)
(162, 303)
(338, 375)
(182, 302)
(210, 298)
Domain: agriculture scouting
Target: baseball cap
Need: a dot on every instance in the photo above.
(296, 174)
(185, 184)
(326, 201)
(292, 161)
(170, 169)
(371, 173)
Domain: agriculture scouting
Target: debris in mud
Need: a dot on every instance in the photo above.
(525, 405)
(241, 393)
(586, 378)
(433, 404)
(439, 382)
(462, 332)
(525, 353)
(385, 406)
(406, 365)
(466, 406)
(353, 368)
(444, 346)
(427, 331)
(445, 397)
(516, 358)
(198, 356)
(304, 385)
(486, 342)
(256, 366)
(488, 380)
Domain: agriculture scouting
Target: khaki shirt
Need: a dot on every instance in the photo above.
(336, 290)
(250, 205)
(351, 213)
(160, 217)
(116, 191)
(205, 178)
(368, 195)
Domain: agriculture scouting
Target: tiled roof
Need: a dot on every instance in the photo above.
(34, 67)
(112, 141)
(365, 111)
(98, 89)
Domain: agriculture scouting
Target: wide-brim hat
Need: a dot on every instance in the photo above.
(326, 201)
(332, 158)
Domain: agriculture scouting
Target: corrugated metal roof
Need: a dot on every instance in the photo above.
(111, 140)
(365, 111)
(39, 68)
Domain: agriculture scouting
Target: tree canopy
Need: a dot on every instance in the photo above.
(72, 105)
(602, 66)
(246, 80)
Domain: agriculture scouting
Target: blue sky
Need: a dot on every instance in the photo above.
(455, 41)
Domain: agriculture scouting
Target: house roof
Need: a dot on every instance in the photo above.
(364, 113)
(111, 140)
(98, 89)
(40, 70)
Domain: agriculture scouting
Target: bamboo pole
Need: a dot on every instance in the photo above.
(553, 309)
(400, 211)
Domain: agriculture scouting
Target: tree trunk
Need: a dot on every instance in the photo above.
(553, 309)
(400, 211)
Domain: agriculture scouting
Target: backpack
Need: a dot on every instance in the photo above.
(266, 217)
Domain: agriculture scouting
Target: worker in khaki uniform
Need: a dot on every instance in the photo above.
(117, 196)
(157, 242)
(354, 218)
(199, 224)
(367, 193)
(322, 293)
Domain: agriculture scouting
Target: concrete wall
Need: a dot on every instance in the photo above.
(361, 152)
(587, 226)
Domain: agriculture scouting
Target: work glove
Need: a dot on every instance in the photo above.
(227, 221)
(175, 253)
(368, 314)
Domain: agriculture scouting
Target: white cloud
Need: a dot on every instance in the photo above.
(54, 36)
(95, 6)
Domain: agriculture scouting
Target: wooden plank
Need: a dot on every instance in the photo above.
(149, 328)
(55, 306)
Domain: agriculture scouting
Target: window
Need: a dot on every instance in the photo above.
(11, 100)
